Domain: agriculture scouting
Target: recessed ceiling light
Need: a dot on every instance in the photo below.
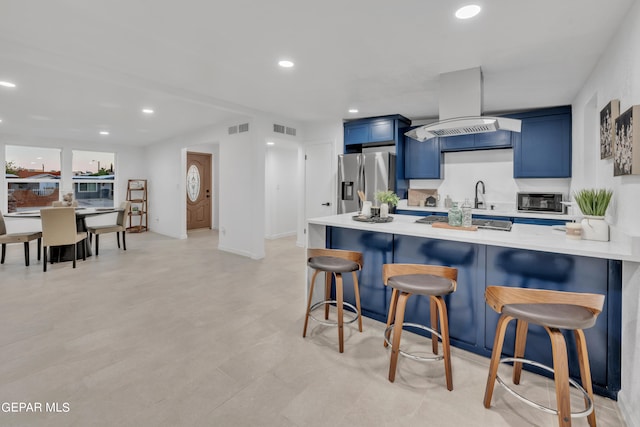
(147, 111)
(0, 120)
(271, 143)
(468, 11)
(353, 110)
(7, 84)
(104, 132)
(285, 63)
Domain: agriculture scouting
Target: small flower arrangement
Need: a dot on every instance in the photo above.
(388, 197)
(593, 202)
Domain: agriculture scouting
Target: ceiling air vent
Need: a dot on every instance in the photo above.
(244, 127)
(233, 129)
(278, 128)
(291, 131)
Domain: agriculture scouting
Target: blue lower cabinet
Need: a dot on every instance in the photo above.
(472, 323)
(540, 221)
(377, 249)
(466, 302)
(542, 270)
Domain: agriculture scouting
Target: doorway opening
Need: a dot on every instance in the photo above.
(199, 192)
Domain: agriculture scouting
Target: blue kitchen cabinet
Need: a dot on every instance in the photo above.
(540, 221)
(422, 160)
(377, 249)
(543, 147)
(373, 130)
(544, 270)
(479, 141)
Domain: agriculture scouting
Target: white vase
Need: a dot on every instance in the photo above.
(384, 210)
(595, 228)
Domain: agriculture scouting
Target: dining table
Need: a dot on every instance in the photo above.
(65, 253)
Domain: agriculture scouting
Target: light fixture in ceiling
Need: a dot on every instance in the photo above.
(285, 63)
(104, 132)
(271, 143)
(353, 110)
(468, 11)
(148, 111)
(7, 84)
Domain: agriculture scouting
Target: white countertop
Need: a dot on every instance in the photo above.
(521, 236)
(490, 212)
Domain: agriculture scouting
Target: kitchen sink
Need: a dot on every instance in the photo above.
(489, 224)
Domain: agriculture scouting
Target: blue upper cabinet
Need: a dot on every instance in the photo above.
(479, 141)
(543, 148)
(375, 130)
(422, 160)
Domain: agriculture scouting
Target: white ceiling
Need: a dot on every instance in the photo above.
(85, 66)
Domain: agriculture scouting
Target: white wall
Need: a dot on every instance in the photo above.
(617, 76)
(493, 167)
(282, 189)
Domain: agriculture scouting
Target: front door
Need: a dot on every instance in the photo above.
(198, 190)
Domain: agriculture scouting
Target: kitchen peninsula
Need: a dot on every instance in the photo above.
(532, 256)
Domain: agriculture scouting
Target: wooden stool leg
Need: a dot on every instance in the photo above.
(327, 292)
(356, 291)
(444, 331)
(433, 306)
(521, 342)
(392, 312)
(340, 300)
(306, 317)
(397, 333)
(585, 371)
(495, 358)
(561, 376)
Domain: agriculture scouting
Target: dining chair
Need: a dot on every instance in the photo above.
(25, 238)
(59, 229)
(118, 227)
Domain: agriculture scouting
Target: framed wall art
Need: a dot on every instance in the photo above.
(626, 150)
(608, 115)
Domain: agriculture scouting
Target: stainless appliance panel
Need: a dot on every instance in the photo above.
(540, 202)
(379, 173)
(349, 182)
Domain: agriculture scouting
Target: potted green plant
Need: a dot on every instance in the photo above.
(594, 203)
(388, 201)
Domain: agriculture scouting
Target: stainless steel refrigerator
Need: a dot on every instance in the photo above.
(370, 172)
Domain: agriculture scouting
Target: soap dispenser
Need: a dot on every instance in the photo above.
(447, 202)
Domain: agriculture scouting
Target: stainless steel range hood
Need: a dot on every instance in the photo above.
(460, 109)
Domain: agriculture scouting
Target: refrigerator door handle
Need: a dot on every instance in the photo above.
(363, 182)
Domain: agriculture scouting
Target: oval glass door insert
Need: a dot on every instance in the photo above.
(193, 183)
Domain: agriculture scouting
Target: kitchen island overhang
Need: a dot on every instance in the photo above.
(527, 256)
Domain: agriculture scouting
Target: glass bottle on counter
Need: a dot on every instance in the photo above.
(455, 215)
(466, 213)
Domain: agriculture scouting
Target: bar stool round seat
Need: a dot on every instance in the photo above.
(334, 262)
(417, 279)
(553, 310)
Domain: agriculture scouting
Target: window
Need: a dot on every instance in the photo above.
(93, 178)
(33, 177)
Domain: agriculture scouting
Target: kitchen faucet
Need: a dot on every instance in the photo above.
(477, 204)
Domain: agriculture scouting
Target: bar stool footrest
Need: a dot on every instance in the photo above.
(351, 307)
(536, 405)
(435, 357)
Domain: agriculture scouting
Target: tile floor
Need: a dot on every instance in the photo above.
(176, 333)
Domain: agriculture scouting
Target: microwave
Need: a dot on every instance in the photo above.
(540, 202)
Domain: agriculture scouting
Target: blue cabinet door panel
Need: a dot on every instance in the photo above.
(422, 160)
(462, 305)
(497, 139)
(356, 134)
(543, 148)
(377, 249)
(542, 270)
(381, 130)
(457, 143)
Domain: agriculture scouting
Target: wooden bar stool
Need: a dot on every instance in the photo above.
(433, 281)
(553, 310)
(334, 262)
